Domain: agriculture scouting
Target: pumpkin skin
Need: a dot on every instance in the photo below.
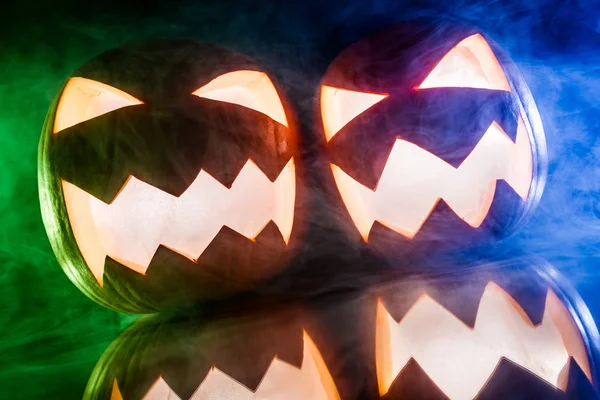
(486, 330)
(262, 354)
(162, 150)
(434, 139)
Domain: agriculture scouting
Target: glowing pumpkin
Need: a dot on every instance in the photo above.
(167, 176)
(492, 330)
(258, 356)
(433, 137)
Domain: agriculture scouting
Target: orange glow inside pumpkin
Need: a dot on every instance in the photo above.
(340, 106)
(142, 217)
(115, 393)
(251, 89)
(83, 99)
(414, 180)
(460, 360)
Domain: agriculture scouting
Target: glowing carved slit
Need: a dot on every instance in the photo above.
(471, 63)
(142, 217)
(84, 99)
(340, 106)
(414, 180)
(251, 89)
(281, 381)
(460, 360)
(115, 393)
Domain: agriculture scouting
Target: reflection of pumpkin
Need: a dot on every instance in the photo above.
(433, 136)
(252, 357)
(167, 175)
(510, 331)
(491, 331)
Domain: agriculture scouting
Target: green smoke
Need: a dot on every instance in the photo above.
(52, 335)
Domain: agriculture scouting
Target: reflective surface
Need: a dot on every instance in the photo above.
(298, 350)
(52, 335)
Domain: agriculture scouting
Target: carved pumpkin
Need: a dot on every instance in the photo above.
(433, 137)
(491, 330)
(167, 175)
(264, 355)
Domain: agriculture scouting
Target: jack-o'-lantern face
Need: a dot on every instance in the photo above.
(505, 332)
(240, 358)
(167, 175)
(432, 136)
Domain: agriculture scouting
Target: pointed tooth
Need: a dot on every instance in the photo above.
(184, 376)
(413, 383)
(312, 380)
(537, 348)
(579, 385)
(569, 331)
(161, 391)
(217, 383)
(79, 210)
(530, 296)
(358, 200)
(511, 381)
(385, 354)
(285, 200)
(398, 300)
(462, 300)
(407, 190)
(115, 392)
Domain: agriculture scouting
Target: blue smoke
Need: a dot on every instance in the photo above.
(555, 44)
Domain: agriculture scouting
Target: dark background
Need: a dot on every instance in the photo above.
(51, 335)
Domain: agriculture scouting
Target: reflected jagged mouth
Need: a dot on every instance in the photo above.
(460, 360)
(282, 381)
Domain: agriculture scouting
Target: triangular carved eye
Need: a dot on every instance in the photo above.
(340, 106)
(84, 99)
(251, 89)
(470, 64)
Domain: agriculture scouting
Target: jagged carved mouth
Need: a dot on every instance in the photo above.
(281, 381)
(414, 181)
(142, 217)
(460, 360)
(401, 189)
